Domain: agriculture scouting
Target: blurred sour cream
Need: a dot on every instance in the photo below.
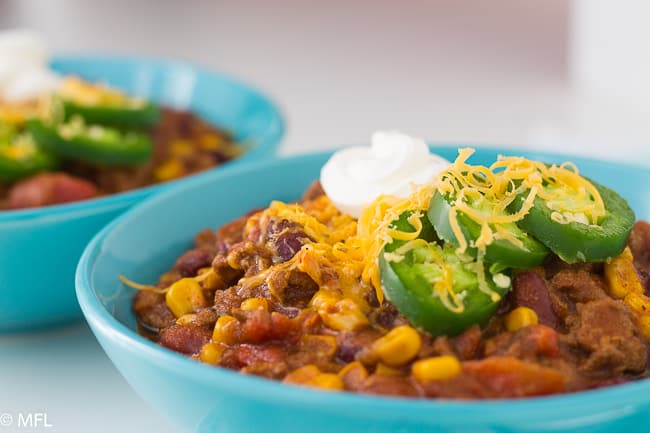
(24, 70)
(394, 162)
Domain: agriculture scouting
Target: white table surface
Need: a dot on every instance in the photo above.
(339, 71)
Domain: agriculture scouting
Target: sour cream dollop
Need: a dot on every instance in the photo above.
(352, 178)
(24, 70)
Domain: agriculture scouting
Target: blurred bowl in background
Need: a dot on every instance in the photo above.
(40, 247)
(144, 243)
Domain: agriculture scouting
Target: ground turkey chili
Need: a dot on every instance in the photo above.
(279, 293)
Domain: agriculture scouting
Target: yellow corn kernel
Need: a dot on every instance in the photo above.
(322, 297)
(521, 317)
(181, 148)
(186, 319)
(302, 375)
(224, 330)
(209, 141)
(184, 296)
(209, 279)
(621, 275)
(343, 315)
(310, 375)
(644, 326)
(323, 346)
(639, 303)
(398, 347)
(255, 304)
(168, 170)
(436, 368)
(386, 370)
(352, 367)
(211, 353)
(326, 381)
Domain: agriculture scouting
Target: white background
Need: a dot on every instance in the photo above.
(451, 71)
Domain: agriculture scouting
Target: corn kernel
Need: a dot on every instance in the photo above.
(343, 315)
(326, 381)
(211, 353)
(354, 366)
(386, 370)
(621, 275)
(209, 279)
(184, 296)
(521, 317)
(639, 303)
(168, 170)
(181, 148)
(323, 346)
(398, 347)
(209, 141)
(310, 375)
(255, 304)
(436, 368)
(302, 375)
(224, 330)
(204, 270)
(644, 326)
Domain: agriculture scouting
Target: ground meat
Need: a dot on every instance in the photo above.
(604, 330)
(292, 288)
(386, 316)
(151, 311)
(226, 300)
(230, 234)
(467, 344)
(389, 385)
(579, 285)
(249, 257)
(225, 276)
(206, 240)
(186, 339)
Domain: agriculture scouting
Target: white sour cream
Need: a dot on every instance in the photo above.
(353, 177)
(24, 70)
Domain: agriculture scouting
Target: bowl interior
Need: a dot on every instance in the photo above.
(145, 242)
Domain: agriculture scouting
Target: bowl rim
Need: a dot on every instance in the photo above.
(269, 141)
(600, 404)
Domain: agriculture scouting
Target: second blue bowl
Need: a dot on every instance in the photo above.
(40, 247)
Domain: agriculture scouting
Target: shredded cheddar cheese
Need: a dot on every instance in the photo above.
(569, 196)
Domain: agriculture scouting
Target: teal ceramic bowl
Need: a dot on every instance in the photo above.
(41, 247)
(144, 242)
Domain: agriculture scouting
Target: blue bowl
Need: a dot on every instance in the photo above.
(144, 242)
(41, 247)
